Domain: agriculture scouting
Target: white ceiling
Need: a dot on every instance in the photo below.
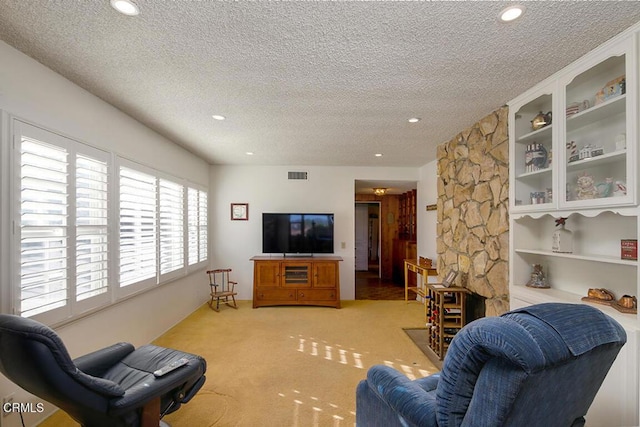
(306, 82)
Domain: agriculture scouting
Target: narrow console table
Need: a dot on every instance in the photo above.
(296, 281)
(413, 266)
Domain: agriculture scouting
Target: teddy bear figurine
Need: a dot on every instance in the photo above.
(586, 188)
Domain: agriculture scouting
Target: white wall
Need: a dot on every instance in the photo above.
(267, 189)
(35, 93)
(427, 221)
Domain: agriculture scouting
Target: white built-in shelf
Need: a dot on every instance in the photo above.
(582, 257)
(543, 295)
(545, 171)
(538, 134)
(596, 113)
(615, 156)
(598, 224)
(630, 211)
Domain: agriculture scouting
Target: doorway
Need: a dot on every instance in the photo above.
(381, 226)
(368, 237)
(369, 282)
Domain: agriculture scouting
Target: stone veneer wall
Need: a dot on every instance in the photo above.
(473, 202)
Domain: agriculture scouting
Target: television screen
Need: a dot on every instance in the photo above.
(297, 233)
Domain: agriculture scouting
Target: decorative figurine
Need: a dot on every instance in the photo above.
(600, 296)
(535, 157)
(586, 188)
(620, 189)
(541, 120)
(585, 152)
(562, 238)
(627, 304)
(605, 189)
(577, 107)
(572, 151)
(628, 301)
(538, 280)
(597, 151)
(537, 197)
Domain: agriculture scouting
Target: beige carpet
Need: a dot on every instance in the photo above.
(289, 366)
(420, 337)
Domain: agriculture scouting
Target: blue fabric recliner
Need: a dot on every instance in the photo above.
(537, 366)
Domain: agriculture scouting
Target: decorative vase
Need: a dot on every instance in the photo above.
(538, 280)
(562, 238)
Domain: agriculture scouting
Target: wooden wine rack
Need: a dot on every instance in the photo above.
(445, 316)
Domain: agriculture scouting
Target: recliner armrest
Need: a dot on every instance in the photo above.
(406, 397)
(143, 392)
(99, 385)
(99, 361)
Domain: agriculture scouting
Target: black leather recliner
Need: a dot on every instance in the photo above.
(111, 387)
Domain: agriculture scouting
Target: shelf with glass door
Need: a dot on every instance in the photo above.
(597, 113)
(539, 134)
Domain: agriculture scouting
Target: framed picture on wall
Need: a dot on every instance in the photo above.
(239, 211)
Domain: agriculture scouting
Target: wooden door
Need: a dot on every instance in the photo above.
(362, 237)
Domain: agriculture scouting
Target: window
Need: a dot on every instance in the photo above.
(61, 225)
(171, 227)
(138, 234)
(43, 226)
(91, 227)
(197, 212)
(70, 258)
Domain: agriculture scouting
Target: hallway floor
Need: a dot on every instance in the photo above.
(370, 286)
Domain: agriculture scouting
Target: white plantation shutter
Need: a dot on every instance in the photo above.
(171, 226)
(202, 225)
(197, 225)
(138, 260)
(91, 227)
(43, 226)
(61, 225)
(192, 225)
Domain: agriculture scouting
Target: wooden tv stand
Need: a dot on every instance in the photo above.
(294, 280)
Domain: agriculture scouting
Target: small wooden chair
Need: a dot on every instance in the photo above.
(221, 288)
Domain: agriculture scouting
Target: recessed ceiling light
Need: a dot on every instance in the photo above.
(510, 13)
(414, 120)
(249, 153)
(378, 154)
(218, 117)
(126, 7)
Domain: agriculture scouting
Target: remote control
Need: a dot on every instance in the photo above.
(170, 367)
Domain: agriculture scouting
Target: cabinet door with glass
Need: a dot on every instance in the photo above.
(532, 136)
(598, 165)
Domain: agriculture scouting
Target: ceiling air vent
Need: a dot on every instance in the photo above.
(297, 175)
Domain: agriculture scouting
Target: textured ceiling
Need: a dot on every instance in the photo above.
(304, 82)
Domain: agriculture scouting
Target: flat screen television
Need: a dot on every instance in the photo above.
(297, 233)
